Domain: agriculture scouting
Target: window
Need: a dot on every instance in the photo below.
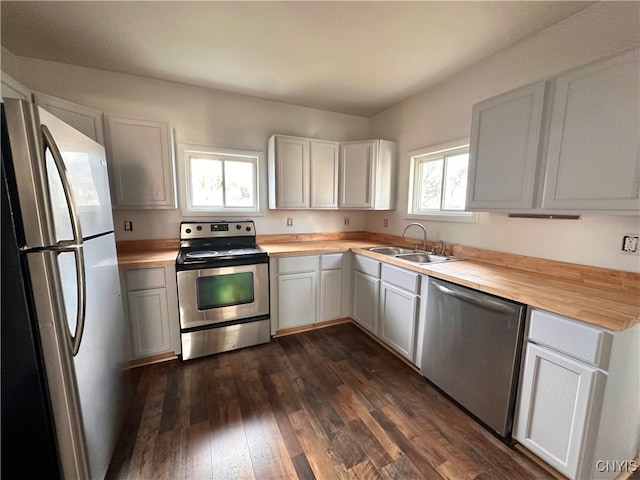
(218, 180)
(439, 182)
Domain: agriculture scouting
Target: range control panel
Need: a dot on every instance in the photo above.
(240, 228)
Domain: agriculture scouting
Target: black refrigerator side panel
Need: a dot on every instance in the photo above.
(27, 431)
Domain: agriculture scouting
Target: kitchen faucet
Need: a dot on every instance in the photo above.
(424, 232)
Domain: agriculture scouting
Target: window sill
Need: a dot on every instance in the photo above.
(465, 217)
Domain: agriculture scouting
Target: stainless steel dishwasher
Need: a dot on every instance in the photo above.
(472, 347)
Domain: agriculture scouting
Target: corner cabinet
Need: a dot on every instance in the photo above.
(366, 292)
(574, 380)
(152, 307)
(140, 154)
(368, 175)
(303, 173)
(567, 145)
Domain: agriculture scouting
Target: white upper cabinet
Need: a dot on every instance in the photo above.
(11, 88)
(323, 169)
(84, 119)
(141, 160)
(593, 159)
(319, 174)
(567, 145)
(303, 173)
(504, 149)
(368, 175)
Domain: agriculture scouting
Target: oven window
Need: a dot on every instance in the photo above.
(224, 290)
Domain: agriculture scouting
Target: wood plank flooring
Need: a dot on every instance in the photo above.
(323, 404)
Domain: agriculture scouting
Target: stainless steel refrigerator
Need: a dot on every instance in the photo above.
(65, 383)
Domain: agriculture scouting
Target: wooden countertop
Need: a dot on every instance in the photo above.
(597, 304)
(147, 258)
(612, 310)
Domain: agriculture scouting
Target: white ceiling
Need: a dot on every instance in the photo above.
(350, 57)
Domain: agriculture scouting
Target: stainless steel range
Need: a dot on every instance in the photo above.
(223, 288)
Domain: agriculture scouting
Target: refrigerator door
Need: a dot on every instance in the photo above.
(61, 178)
(101, 362)
(86, 172)
(91, 390)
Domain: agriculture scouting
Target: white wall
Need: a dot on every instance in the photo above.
(439, 114)
(203, 117)
(443, 113)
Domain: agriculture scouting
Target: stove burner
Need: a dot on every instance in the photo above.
(204, 254)
(243, 250)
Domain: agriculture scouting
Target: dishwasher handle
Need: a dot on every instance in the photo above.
(485, 302)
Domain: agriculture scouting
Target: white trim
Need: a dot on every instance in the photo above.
(184, 185)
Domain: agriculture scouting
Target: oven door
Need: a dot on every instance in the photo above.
(215, 295)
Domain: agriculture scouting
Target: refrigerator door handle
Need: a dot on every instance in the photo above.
(66, 186)
(75, 339)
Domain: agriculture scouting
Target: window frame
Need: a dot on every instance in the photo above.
(187, 151)
(416, 157)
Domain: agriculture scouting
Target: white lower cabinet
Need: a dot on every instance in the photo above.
(308, 289)
(386, 302)
(297, 299)
(366, 292)
(398, 309)
(152, 310)
(577, 387)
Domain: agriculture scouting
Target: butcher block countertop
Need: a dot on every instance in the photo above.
(147, 253)
(608, 299)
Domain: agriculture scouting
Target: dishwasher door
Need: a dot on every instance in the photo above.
(472, 349)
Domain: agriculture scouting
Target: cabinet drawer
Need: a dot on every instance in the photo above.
(331, 261)
(367, 265)
(297, 264)
(581, 341)
(401, 278)
(145, 278)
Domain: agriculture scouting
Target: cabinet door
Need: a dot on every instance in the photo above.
(84, 119)
(140, 156)
(365, 301)
(330, 295)
(296, 299)
(593, 159)
(398, 313)
(555, 403)
(323, 166)
(503, 154)
(292, 172)
(357, 174)
(149, 317)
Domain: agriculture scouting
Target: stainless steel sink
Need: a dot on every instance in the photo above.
(410, 255)
(423, 258)
(393, 251)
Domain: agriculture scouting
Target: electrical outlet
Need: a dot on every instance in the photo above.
(128, 226)
(346, 220)
(289, 221)
(630, 243)
(385, 222)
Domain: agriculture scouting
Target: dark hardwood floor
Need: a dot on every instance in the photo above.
(325, 404)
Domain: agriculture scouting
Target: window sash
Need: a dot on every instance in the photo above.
(193, 203)
(420, 162)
